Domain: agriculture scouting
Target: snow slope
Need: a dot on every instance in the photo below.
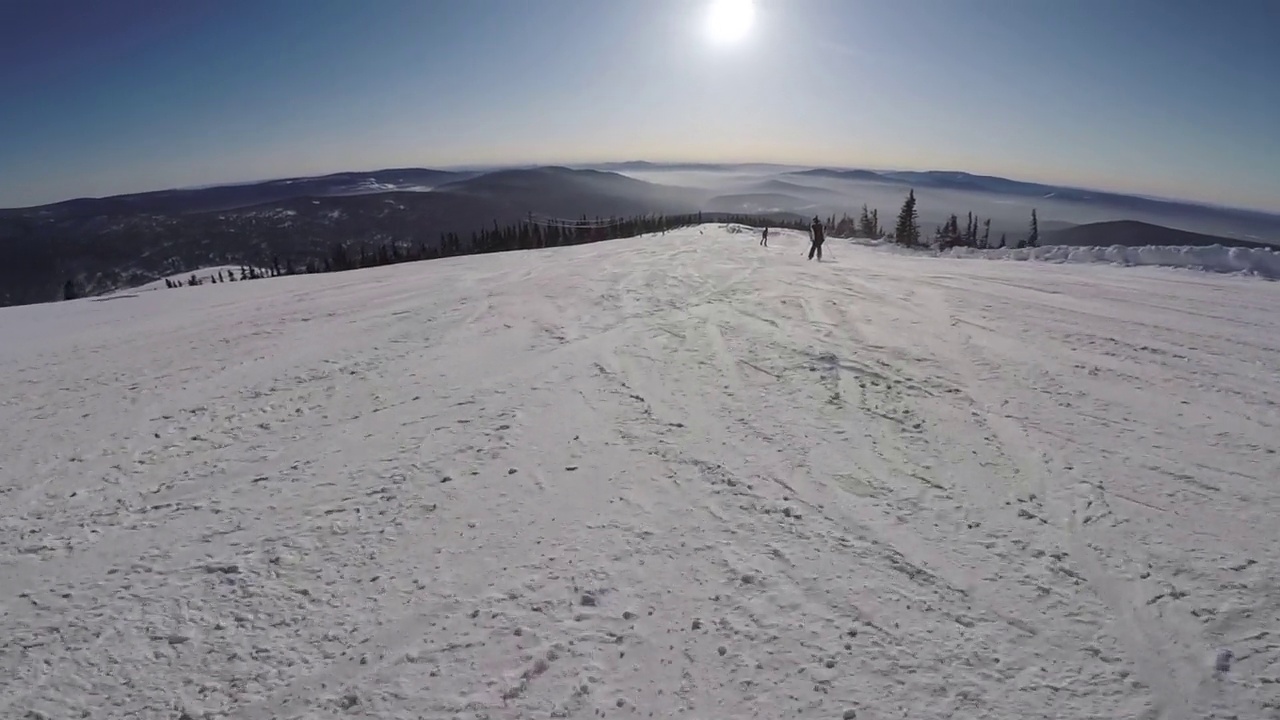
(675, 476)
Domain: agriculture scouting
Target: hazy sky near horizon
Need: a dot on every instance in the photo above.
(1176, 98)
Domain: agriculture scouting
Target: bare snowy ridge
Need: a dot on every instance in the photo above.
(1258, 262)
(680, 475)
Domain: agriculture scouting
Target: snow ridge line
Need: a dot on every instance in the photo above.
(1256, 262)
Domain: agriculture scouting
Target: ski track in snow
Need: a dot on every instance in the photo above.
(673, 476)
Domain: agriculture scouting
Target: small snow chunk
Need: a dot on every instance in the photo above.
(628, 615)
(512, 471)
(225, 568)
(748, 579)
(588, 600)
(722, 650)
(349, 701)
(445, 479)
(697, 624)
(176, 639)
(850, 714)
(1223, 662)
(570, 468)
(539, 667)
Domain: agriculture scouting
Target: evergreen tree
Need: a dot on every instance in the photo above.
(986, 234)
(950, 235)
(907, 232)
(70, 291)
(1033, 239)
(1004, 242)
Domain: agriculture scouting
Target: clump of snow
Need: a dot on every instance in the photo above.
(746, 485)
(1212, 258)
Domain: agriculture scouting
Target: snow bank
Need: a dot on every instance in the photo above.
(1213, 258)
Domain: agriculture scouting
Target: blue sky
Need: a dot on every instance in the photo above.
(1175, 98)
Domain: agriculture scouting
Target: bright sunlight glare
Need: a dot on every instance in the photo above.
(729, 21)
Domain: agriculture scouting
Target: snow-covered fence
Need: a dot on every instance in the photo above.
(1210, 258)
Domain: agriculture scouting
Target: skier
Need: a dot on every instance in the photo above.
(815, 232)
(764, 238)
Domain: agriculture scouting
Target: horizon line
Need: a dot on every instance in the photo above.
(494, 167)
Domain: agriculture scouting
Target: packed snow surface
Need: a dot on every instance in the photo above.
(675, 476)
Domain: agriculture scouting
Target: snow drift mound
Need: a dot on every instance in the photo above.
(1210, 258)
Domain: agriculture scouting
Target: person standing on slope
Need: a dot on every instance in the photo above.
(816, 236)
(764, 238)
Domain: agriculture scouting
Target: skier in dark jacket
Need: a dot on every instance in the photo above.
(764, 237)
(815, 232)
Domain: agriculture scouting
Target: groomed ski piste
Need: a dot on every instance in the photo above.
(676, 476)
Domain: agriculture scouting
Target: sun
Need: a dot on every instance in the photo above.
(729, 21)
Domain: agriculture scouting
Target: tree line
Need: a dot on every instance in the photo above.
(533, 233)
(907, 233)
(948, 235)
(223, 276)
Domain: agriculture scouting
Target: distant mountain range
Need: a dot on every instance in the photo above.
(1246, 221)
(229, 197)
(105, 243)
(1132, 233)
(112, 242)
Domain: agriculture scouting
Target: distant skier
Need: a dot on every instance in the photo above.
(816, 235)
(764, 237)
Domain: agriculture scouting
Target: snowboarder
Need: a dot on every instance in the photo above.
(816, 236)
(764, 237)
